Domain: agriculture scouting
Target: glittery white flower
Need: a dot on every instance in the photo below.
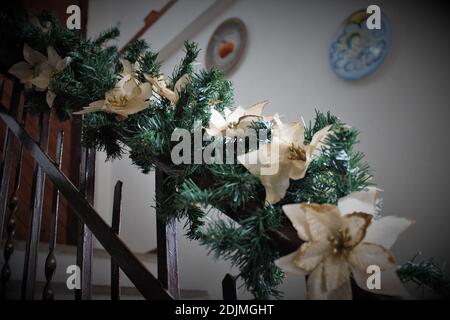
(37, 70)
(127, 98)
(286, 157)
(239, 118)
(343, 241)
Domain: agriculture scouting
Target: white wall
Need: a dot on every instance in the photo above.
(402, 112)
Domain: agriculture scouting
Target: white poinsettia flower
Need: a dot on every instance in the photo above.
(27, 70)
(286, 157)
(160, 87)
(37, 70)
(239, 118)
(343, 241)
(127, 98)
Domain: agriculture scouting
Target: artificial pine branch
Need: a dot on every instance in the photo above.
(425, 273)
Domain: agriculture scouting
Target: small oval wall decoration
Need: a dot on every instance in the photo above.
(357, 51)
(227, 45)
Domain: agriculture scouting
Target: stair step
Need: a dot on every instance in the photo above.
(99, 292)
(101, 268)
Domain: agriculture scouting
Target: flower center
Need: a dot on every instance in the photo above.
(117, 101)
(232, 125)
(339, 243)
(296, 153)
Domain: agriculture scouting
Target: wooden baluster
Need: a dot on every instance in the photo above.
(2, 82)
(50, 261)
(166, 236)
(229, 290)
(7, 156)
(84, 249)
(115, 227)
(34, 230)
(8, 249)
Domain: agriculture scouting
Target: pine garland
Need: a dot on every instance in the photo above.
(426, 273)
(146, 136)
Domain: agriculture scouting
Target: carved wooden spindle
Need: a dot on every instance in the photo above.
(13, 205)
(166, 239)
(229, 290)
(50, 261)
(115, 227)
(7, 155)
(34, 230)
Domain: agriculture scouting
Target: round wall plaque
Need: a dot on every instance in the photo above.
(357, 51)
(227, 45)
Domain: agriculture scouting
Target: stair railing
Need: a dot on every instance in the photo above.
(92, 223)
(80, 200)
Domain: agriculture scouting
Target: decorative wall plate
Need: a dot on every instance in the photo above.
(227, 45)
(357, 51)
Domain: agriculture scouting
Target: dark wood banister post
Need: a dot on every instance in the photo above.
(115, 227)
(166, 242)
(7, 152)
(229, 291)
(34, 230)
(84, 245)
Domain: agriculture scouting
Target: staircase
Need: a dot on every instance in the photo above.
(33, 270)
(101, 266)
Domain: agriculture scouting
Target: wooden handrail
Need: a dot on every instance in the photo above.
(144, 281)
(149, 20)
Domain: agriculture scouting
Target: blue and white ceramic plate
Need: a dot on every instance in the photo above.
(357, 51)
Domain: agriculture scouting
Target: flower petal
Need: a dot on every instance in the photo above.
(344, 292)
(356, 223)
(93, 107)
(315, 285)
(273, 173)
(53, 57)
(323, 220)
(311, 254)
(297, 216)
(131, 89)
(368, 254)
(181, 84)
(50, 98)
(22, 70)
(287, 264)
(335, 271)
(318, 141)
(276, 185)
(126, 66)
(217, 121)
(289, 133)
(390, 283)
(133, 106)
(257, 109)
(298, 169)
(62, 64)
(235, 115)
(360, 201)
(265, 161)
(32, 56)
(385, 231)
(40, 82)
